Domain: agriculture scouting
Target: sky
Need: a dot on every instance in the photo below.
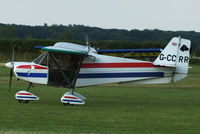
(172, 15)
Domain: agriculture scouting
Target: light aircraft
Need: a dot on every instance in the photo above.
(71, 65)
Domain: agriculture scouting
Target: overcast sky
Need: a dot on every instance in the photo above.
(121, 14)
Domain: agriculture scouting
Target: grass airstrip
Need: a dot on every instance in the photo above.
(109, 109)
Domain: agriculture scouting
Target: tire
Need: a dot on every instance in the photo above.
(23, 101)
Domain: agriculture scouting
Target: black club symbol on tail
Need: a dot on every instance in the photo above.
(184, 48)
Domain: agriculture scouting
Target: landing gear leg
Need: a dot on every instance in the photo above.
(31, 84)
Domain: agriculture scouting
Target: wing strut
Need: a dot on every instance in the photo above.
(77, 72)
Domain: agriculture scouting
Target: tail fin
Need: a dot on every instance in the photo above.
(176, 54)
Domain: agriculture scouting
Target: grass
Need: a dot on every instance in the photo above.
(109, 109)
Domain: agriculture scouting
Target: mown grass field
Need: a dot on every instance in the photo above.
(109, 109)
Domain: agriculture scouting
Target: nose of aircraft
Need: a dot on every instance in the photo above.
(9, 65)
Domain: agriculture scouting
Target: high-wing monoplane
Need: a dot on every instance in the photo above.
(71, 65)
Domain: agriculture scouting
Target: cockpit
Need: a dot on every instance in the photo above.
(63, 68)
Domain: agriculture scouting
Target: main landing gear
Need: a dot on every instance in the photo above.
(25, 96)
(71, 97)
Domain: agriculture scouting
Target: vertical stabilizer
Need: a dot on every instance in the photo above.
(168, 56)
(176, 54)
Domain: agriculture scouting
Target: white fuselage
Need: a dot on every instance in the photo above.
(101, 69)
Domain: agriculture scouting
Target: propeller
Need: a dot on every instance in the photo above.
(87, 43)
(87, 40)
(11, 66)
(10, 82)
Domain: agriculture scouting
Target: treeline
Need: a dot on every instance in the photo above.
(24, 38)
(78, 33)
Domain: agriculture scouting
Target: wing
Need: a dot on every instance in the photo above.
(64, 62)
(67, 48)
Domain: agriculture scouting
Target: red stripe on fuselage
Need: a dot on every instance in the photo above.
(23, 94)
(39, 67)
(24, 67)
(29, 67)
(116, 65)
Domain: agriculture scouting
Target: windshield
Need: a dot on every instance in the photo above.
(42, 59)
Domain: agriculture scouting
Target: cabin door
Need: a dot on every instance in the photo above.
(63, 69)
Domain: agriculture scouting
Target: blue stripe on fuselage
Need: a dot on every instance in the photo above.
(121, 75)
(40, 75)
(100, 75)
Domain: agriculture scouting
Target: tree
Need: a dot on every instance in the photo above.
(197, 51)
(66, 35)
(8, 32)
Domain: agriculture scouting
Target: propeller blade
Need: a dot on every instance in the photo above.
(11, 70)
(10, 82)
(87, 40)
(13, 55)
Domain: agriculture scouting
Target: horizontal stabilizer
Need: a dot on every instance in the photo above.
(107, 51)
